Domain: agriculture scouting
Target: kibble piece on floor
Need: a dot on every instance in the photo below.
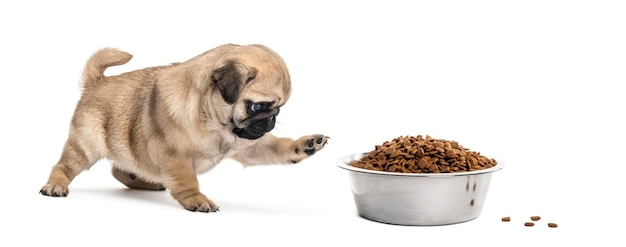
(506, 219)
(529, 224)
(553, 225)
(535, 218)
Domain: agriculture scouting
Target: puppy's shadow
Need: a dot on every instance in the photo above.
(163, 198)
(147, 196)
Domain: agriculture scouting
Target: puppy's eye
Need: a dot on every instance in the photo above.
(254, 107)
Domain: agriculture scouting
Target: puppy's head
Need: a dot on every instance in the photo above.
(255, 82)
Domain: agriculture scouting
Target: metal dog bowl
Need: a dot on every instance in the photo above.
(418, 199)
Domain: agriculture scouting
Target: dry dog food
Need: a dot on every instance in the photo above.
(530, 224)
(416, 154)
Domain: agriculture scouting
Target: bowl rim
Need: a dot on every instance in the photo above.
(343, 163)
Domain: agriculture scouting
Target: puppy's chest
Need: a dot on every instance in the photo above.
(214, 152)
(205, 163)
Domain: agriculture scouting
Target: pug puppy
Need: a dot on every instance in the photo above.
(162, 126)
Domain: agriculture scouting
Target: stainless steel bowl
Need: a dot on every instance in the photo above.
(418, 199)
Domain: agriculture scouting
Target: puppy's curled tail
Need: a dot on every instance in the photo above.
(100, 61)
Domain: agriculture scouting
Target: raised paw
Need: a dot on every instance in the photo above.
(309, 145)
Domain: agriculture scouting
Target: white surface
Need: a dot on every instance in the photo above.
(533, 83)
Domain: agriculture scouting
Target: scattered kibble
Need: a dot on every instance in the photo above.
(531, 224)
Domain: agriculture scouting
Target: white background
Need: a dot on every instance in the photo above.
(536, 84)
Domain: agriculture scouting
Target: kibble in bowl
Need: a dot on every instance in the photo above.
(397, 189)
(416, 154)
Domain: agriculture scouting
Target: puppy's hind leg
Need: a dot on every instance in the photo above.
(132, 181)
(73, 161)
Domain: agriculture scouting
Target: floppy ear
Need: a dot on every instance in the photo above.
(229, 80)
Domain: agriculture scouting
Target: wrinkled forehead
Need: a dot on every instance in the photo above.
(267, 89)
(272, 82)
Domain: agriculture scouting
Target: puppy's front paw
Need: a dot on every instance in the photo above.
(199, 203)
(311, 144)
(56, 190)
(308, 145)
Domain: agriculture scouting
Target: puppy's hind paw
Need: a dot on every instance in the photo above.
(55, 190)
